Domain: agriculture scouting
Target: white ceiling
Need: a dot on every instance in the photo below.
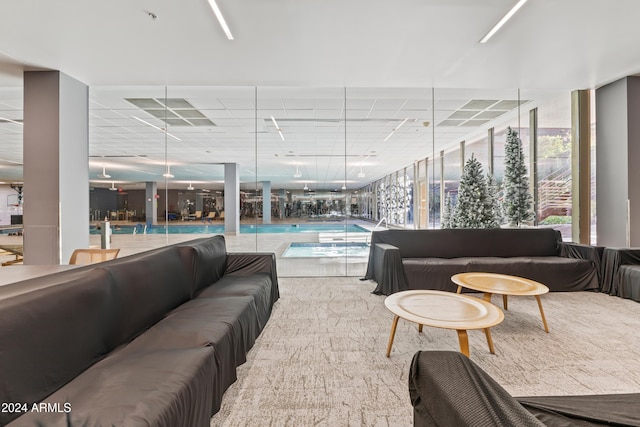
(292, 59)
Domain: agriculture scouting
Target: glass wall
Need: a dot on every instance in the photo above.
(554, 164)
(320, 161)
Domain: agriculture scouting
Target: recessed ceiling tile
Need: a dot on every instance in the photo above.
(469, 123)
(478, 104)
(463, 114)
(450, 122)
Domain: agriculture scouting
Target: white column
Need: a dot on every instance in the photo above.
(56, 167)
(266, 202)
(231, 198)
(151, 203)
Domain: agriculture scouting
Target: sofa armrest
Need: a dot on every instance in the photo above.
(581, 251)
(448, 389)
(387, 269)
(612, 259)
(249, 263)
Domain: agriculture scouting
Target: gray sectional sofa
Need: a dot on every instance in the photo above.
(152, 339)
(621, 272)
(449, 389)
(426, 259)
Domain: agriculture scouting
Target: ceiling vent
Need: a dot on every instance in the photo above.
(172, 111)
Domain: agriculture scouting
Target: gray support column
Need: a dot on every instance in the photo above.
(266, 202)
(533, 161)
(441, 185)
(231, 198)
(462, 145)
(490, 155)
(56, 167)
(282, 199)
(580, 166)
(150, 205)
(617, 153)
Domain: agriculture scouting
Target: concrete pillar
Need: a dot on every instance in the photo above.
(282, 200)
(151, 203)
(581, 166)
(617, 153)
(231, 198)
(266, 202)
(56, 167)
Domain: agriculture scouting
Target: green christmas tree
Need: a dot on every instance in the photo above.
(473, 208)
(448, 212)
(517, 199)
(494, 200)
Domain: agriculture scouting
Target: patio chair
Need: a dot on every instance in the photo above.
(92, 256)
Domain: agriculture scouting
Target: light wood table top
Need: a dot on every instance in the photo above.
(499, 284)
(443, 310)
(502, 284)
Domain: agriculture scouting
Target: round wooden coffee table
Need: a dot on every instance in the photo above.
(502, 284)
(443, 310)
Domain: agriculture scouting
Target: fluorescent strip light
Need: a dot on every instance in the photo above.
(156, 127)
(503, 21)
(221, 20)
(396, 128)
(12, 121)
(273, 119)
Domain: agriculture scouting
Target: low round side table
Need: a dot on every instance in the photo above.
(502, 284)
(445, 310)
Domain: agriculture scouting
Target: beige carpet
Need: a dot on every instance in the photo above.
(321, 359)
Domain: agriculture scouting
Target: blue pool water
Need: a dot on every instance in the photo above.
(244, 228)
(339, 249)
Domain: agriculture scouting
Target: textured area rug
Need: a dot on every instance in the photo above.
(321, 359)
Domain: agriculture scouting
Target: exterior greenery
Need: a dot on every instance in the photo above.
(475, 205)
(518, 203)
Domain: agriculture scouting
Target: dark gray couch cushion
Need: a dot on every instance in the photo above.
(49, 336)
(171, 388)
(228, 324)
(558, 274)
(146, 287)
(258, 286)
(205, 259)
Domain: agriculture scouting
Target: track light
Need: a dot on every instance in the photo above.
(297, 174)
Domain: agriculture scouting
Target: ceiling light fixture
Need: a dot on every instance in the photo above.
(168, 174)
(298, 174)
(273, 119)
(221, 20)
(113, 186)
(395, 129)
(361, 173)
(104, 174)
(156, 127)
(12, 121)
(344, 187)
(503, 21)
(190, 187)
(306, 188)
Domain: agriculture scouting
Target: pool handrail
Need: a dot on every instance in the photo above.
(384, 219)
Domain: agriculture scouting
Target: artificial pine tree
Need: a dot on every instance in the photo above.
(448, 212)
(493, 190)
(473, 208)
(517, 199)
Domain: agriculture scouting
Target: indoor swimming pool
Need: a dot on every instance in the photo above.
(244, 229)
(326, 250)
